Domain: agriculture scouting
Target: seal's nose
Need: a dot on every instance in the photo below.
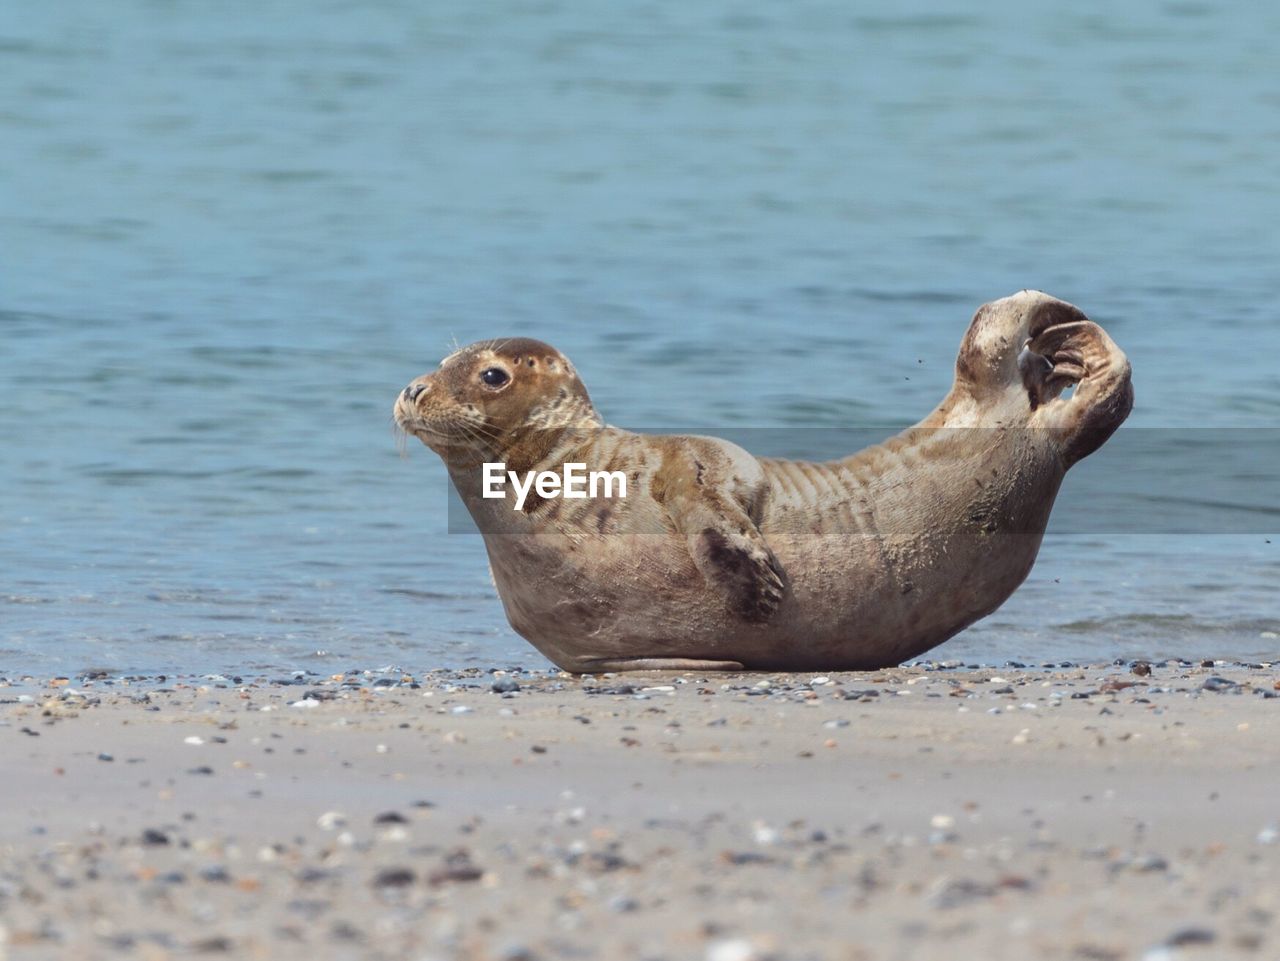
(414, 391)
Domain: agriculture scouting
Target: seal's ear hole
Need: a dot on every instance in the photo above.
(532, 362)
(551, 363)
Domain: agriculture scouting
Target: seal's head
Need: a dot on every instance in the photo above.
(1019, 357)
(1005, 346)
(492, 396)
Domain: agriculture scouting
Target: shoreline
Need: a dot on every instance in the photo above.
(927, 811)
(281, 675)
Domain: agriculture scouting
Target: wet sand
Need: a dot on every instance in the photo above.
(927, 812)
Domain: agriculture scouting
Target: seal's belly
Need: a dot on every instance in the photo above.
(846, 593)
(616, 595)
(888, 571)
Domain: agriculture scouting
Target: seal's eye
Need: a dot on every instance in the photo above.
(494, 376)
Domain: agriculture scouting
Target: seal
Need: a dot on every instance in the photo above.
(719, 560)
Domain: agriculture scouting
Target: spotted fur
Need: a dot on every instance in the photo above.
(721, 560)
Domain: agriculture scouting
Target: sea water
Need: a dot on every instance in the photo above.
(231, 233)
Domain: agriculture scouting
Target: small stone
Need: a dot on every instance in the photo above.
(623, 904)
(1113, 685)
(1151, 863)
(738, 858)
(1141, 668)
(105, 757)
(1015, 882)
(214, 945)
(605, 861)
(1189, 936)
(345, 931)
(390, 817)
(331, 820)
(455, 874)
(394, 878)
(505, 685)
(731, 949)
(764, 834)
(571, 816)
(154, 837)
(959, 892)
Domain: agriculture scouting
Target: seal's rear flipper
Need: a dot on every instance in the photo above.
(1083, 354)
(655, 664)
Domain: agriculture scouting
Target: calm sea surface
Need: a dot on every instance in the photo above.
(230, 233)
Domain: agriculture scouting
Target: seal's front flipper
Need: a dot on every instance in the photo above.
(740, 565)
(714, 493)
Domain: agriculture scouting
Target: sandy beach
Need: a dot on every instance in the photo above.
(1099, 812)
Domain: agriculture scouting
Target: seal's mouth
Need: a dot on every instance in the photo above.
(421, 428)
(439, 429)
(409, 419)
